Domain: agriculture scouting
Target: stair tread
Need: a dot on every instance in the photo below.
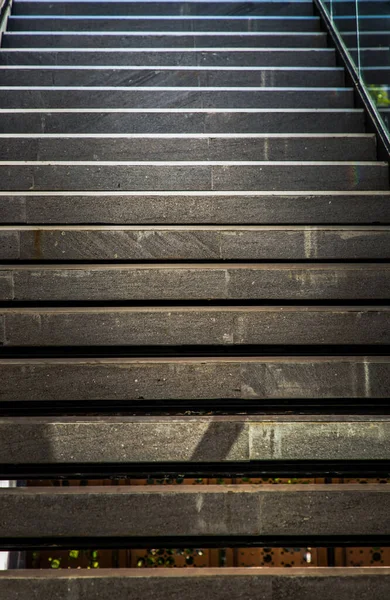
(193, 439)
(264, 379)
(247, 509)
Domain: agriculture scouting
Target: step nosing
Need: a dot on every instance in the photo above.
(157, 88)
(181, 110)
(325, 267)
(143, 50)
(162, 68)
(178, 163)
(186, 136)
(165, 17)
(216, 228)
(199, 193)
(344, 308)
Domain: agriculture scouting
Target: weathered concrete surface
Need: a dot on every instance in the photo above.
(225, 39)
(51, 97)
(269, 510)
(207, 207)
(194, 378)
(207, 121)
(9, 245)
(181, 76)
(251, 146)
(226, 326)
(359, 583)
(201, 176)
(321, 57)
(53, 440)
(275, 8)
(197, 282)
(145, 24)
(211, 242)
(6, 285)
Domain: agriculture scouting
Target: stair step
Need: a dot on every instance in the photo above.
(377, 74)
(149, 24)
(215, 39)
(51, 97)
(367, 23)
(194, 282)
(212, 510)
(52, 380)
(171, 8)
(373, 39)
(196, 326)
(212, 242)
(184, 175)
(374, 57)
(150, 122)
(192, 439)
(241, 582)
(172, 76)
(366, 7)
(199, 147)
(123, 208)
(280, 57)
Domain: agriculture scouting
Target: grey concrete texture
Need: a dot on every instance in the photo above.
(271, 8)
(223, 176)
(69, 440)
(145, 24)
(173, 76)
(9, 245)
(206, 378)
(264, 147)
(202, 282)
(191, 121)
(215, 326)
(359, 583)
(119, 208)
(272, 98)
(210, 242)
(320, 57)
(165, 40)
(213, 510)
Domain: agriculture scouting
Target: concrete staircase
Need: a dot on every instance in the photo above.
(194, 221)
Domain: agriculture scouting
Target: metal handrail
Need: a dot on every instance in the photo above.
(5, 11)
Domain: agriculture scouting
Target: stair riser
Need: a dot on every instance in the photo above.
(163, 8)
(138, 149)
(77, 440)
(374, 57)
(231, 122)
(265, 58)
(89, 284)
(348, 7)
(366, 24)
(296, 77)
(368, 39)
(180, 98)
(248, 510)
(197, 177)
(205, 327)
(377, 76)
(156, 40)
(180, 208)
(142, 23)
(190, 379)
(203, 244)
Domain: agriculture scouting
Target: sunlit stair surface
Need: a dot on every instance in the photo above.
(194, 277)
